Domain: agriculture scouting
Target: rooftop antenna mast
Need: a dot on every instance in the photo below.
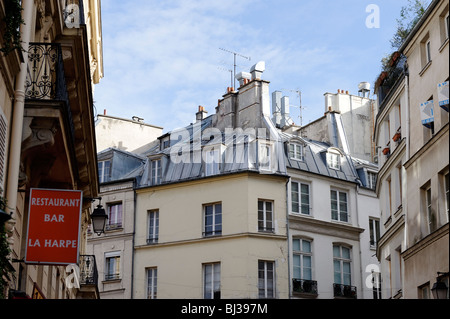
(231, 74)
(301, 107)
(235, 55)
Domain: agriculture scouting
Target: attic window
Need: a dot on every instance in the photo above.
(334, 160)
(296, 151)
(104, 171)
(156, 172)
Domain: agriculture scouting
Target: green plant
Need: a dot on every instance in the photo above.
(12, 21)
(409, 16)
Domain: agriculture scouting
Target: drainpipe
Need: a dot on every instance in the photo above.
(18, 109)
(288, 239)
(408, 153)
(134, 237)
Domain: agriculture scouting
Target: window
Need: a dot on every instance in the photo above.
(212, 220)
(266, 279)
(374, 227)
(153, 227)
(211, 281)
(112, 263)
(334, 160)
(371, 180)
(446, 187)
(296, 151)
(264, 156)
(114, 216)
(265, 216)
(428, 51)
(342, 265)
(339, 206)
(424, 291)
(212, 162)
(152, 281)
(302, 259)
(428, 207)
(156, 172)
(300, 198)
(389, 196)
(104, 171)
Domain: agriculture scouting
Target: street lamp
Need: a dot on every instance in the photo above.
(99, 218)
(440, 289)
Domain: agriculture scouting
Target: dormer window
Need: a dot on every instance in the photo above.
(156, 172)
(296, 151)
(212, 161)
(104, 171)
(334, 160)
(265, 154)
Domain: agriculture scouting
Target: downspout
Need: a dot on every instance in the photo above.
(408, 153)
(288, 239)
(134, 237)
(18, 109)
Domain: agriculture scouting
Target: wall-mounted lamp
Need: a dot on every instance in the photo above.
(440, 289)
(99, 218)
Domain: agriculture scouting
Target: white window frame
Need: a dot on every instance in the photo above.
(447, 195)
(297, 206)
(374, 232)
(115, 273)
(265, 156)
(212, 161)
(211, 281)
(152, 282)
(113, 215)
(215, 226)
(303, 255)
(296, 151)
(334, 160)
(153, 227)
(371, 179)
(428, 208)
(266, 285)
(428, 50)
(263, 220)
(156, 171)
(338, 200)
(103, 178)
(342, 260)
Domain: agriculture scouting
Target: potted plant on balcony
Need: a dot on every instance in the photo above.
(10, 26)
(397, 136)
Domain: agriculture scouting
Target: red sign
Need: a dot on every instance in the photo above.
(54, 221)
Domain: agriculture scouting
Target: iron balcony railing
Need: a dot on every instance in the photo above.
(304, 286)
(344, 291)
(46, 79)
(88, 270)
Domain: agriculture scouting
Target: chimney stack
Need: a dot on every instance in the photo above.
(285, 115)
(276, 107)
(243, 78)
(257, 70)
(201, 114)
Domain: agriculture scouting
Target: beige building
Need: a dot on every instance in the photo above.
(48, 130)
(412, 133)
(181, 253)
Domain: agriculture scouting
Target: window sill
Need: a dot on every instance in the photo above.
(443, 45)
(425, 68)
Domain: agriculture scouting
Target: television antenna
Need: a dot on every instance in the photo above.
(300, 106)
(235, 55)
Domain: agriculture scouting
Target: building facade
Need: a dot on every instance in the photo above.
(50, 130)
(412, 133)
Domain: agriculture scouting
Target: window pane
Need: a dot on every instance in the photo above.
(295, 197)
(297, 269)
(336, 251)
(306, 246)
(346, 253)
(337, 271)
(296, 244)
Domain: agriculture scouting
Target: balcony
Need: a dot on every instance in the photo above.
(344, 291)
(304, 288)
(88, 278)
(46, 82)
(88, 270)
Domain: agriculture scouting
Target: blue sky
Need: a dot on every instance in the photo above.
(162, 59)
